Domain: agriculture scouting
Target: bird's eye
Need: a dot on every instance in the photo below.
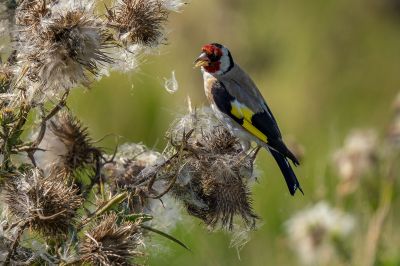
(213, 57)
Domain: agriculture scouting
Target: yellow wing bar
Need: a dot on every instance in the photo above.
(241, 111)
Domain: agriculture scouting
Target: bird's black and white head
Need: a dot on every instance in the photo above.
(215, 59)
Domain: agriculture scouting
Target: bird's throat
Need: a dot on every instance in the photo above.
(213, 67)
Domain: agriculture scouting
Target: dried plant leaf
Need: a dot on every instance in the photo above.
(165, 235)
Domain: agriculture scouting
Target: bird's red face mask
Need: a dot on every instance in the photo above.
(209, 58)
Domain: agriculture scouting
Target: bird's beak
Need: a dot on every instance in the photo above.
(202, 60)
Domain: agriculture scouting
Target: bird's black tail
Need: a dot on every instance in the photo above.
(287, 171)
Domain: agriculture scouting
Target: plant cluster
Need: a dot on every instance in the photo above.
(65, 200)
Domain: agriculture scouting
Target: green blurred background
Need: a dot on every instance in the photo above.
(325, 67)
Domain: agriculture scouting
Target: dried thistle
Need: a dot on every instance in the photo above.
(138, 21)
(131, 164)
(31, 12)
(213, 171)
(48, 205)
(111, 243)
(68, 145)
(60, 50)
(126, 173)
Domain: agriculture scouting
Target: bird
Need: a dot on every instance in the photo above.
(238, 104)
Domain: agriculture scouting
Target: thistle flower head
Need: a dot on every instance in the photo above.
(213, 171)
(313, 232)
(48, 204)
(58, 48)
(111, 243)
(138, 21)
(67, 145)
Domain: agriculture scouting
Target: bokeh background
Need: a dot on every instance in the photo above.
(325, 68)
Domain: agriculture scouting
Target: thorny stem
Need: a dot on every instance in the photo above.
(31, 147)
(172, 182)
(99, 165)
(150, 177)
(15, 243)
(185, 138)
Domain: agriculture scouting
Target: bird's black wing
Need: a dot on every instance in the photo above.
(262, 124)
(266, 123)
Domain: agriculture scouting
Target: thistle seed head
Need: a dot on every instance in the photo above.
(68, 145)
(212, 171)
(138, 21)
(58, 48)
(47, 204)
(111, 243)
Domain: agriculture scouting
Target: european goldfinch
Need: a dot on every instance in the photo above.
(238, 103)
